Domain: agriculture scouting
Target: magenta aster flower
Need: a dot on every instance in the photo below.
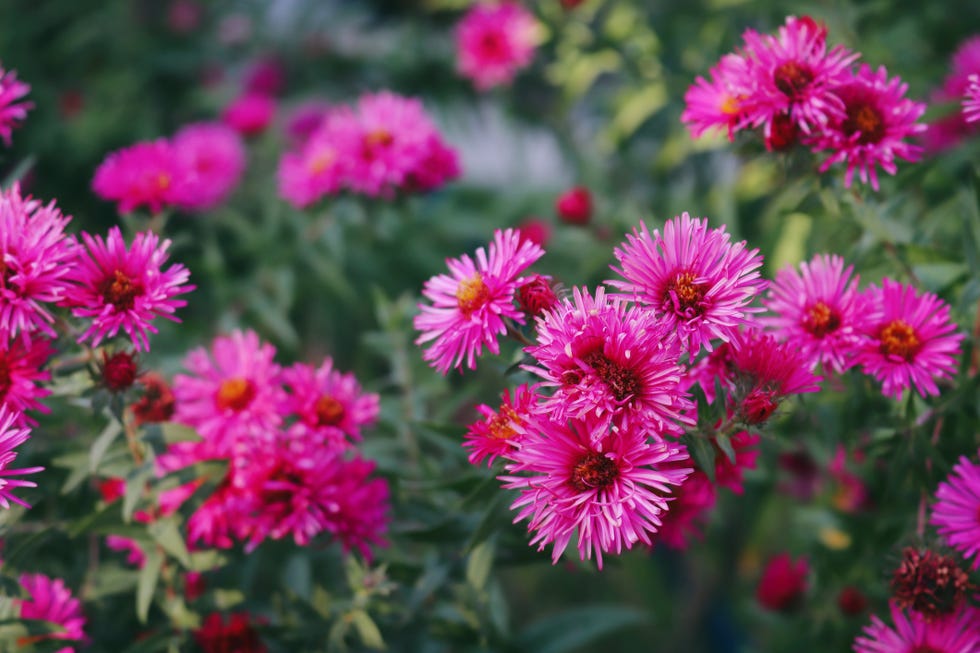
(818, 309)
(329, 404)
(250, 114)
(145, 174)
(695, 280)
(956, 513)
(964, 63)
(498, 432)
(222, 517)
(438, 165)
(21, 373)
(912, 633)
(722, 102)
(119, 288)
(688, 513)
(12, 112)
(35, 257)
(470, 305)
(51, 601)
(493, 42)
(608, 486)
(610, 360)
(320, 167)
(971, 104)
(213, 157)
(871, 132)
(910, 339)
(12, 435)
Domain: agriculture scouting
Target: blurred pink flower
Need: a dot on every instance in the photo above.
(12, 112)
(51, 601)
(723, 101)
(134, 552)
(213, 158)
(438, 165)
(144, 174)
(12, 435)
(320, 166)
(493, 41)
(729, 473)
(22, 370)
(689, 511)
(249, 114)
(783, 583)
(956, 512)
(265, 76)
(574, 206)
(971, 104)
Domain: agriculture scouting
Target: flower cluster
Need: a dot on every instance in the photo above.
(797, 90)
(385, 145)
(493, 41)
(12, 109)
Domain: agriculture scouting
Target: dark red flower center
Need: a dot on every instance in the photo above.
(471, 294)
(929, 583)
(866, 120)
(593, 472)
(819, 319)
(685, 296)
(329, 411)
(782, 132)
(792, 78)
(120, 290)
(6, 377)
(235, 394)
(6, 272)
(898, 339)
(621, 381)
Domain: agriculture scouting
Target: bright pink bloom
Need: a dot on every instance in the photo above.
(872, 131)
(689, 511)
(910, 339)
(438, 165)
(956, 513)
(470, 305)
(12, 112)
(320, 167)
(964, 63)
(722, 102)
(783, 583)
(51, 601)
(134, 552)
(329, 404)
(728, 473)
(21, 373)
(608, 487)
(305, 120)
(817, 308)
(145, 174)
(498, 432)
(236, 634)
(695, 280)
(35, 257)
(12, 435)
(222, 517)
(609, 359)
(574, 206)
(213, 157)
(971, 104)
(250, 114)
(119, 288)
(912, 633)
(493, 42)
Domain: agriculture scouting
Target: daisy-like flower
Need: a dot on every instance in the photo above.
(232, 393)
(723, 102)
(607, 486)
(818, 309)
(12, 112)
(11, 436)
(21, 374)
(910, 339)
(873, 129)
(609, 359)
(971, 103)
(493, 42)
(50, 600)
(119, 288)
(213, 157)
(956, 513)
(34, 261)
(913, 633)
(330, 405)
(497, 432)
(145, 174)
(319, 167)
(471, 303)
(696, 281)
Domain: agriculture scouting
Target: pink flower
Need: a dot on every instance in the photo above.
(493, 42)
(607, 487)
(249, 114)
(910, 339)
(722, 102)
(12, 112)
(438, 165)
(21, 373)
(329, 404)
(818, 310)
(498, 432)
(971, 104)
(35, 257)
(913, 633)
(119, 288)
(783, 583)
(305, 120)
(213, 157)
(964, 63)
(693, 279)
(689, 511)
(265, 76)
(222, 516)
(145, 174)
(574, 206)
(956, 513)
(728, 473)
(51, 601)
(536, 230)
(320, 167)
(470, 305)
(134, 552)
(872, 131)
(12, 435)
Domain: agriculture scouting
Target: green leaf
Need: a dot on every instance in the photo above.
(102, 444)
(573, 629)
(367, 630)
(167, 534)
(135, 486)
(702, 452)
(725, 444)
(479, 563)
(147, 584)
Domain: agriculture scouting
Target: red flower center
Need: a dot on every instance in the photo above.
(163, 181)
(621, 381)
(792, 78)
(782, 132)
(593, 472)
(819, 319)
(502, 424)
(866, 120)
(898, 339)
(329, 411)
(685, 296)
(235, 394)
(120, 290)
(472, 294)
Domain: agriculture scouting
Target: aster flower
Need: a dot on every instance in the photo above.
(470, 305)
(608, 486)
(35, 255)
(438, 165)
(50, 600)
(817, 308)
(119, 288)
(305, 120)
(872, 130)
(956, 509)
(320, 167)
(145, 174)
(12, 435)
(913, 633)
(693, 279)
(688, 512)
(222, 517)
(783, 583)
(497, 432)
(329, 404)
(971, 104)
(21, 374)
(12, 112)
(250, 114)
(493, 42)
(964, 63)
(910, 339)
(609, 359)
(723, 102)
(213, 157)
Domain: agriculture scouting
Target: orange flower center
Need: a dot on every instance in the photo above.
(593, 472)
(378, 138)
(329, 411)
(866, 120)
(685, 296)
(163, 181)
(120, 290)
(502, 424)
(235, 394)
(321, 161)
(898, 339)
(730, 105)
(820, 319)
(791, 78)
(471, 294)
